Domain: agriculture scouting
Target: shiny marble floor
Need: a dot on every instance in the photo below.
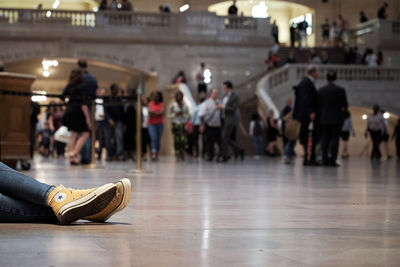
(251, 213)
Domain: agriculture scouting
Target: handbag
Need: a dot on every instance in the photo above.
(292, 127)
(62, 135)
(189, 127)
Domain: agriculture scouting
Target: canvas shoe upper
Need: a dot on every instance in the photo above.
(120, 201)
(70, 205)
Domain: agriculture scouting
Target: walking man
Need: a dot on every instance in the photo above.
(230, 107)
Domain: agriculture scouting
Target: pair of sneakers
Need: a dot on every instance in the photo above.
(95, 204)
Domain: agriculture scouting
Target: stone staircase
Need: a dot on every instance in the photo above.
(246, 89)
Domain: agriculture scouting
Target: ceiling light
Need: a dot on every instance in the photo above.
(184, 8)
(39, 98)
(46, 73)
(386, 115)
(49, 63)
(56, 4)
(260, 10)
(364, 117)
(207, 76)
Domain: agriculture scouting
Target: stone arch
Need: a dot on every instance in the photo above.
(280, 10)
(20, 53)
(106, 72)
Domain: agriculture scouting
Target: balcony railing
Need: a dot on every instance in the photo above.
(31, 16)
(92, 19)
(192, 27)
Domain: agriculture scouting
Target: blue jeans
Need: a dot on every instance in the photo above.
(86, 152)
(103, 134)
(257, 140)
(119, 138)
(289, 149)
(155, 132)
(23, 199)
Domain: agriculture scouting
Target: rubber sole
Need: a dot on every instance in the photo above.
(88, 205)
(126, 192)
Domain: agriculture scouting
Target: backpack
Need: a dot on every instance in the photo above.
(292, 127)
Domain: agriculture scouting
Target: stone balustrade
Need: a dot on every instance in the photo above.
(344, 72)
(199, 26)
(365, 85)
(376, 34)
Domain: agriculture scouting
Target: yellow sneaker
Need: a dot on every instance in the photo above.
(70, 205)
(120, 201)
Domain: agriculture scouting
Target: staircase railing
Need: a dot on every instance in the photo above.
(375, 34)
(273, 87)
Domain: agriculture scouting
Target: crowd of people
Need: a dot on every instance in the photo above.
(368, 58)
(123, 5)
(114, 122)
(126, 5)
(214, 120)
(317, 118)
(320, 118)
(298, 34)
(352, 56)
(335, 34)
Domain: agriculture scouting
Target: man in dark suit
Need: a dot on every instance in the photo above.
(229, 106)
(305, 111)
(332, 102)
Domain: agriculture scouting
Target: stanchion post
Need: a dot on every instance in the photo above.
(139, 132)
(139, 169)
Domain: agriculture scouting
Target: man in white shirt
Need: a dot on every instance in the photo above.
(210, 117)
(103, 131)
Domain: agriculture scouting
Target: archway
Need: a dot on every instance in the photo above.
(57, 74)
(283, 12)
(358, 144)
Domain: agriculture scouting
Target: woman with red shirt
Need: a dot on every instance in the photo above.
(156, 126)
